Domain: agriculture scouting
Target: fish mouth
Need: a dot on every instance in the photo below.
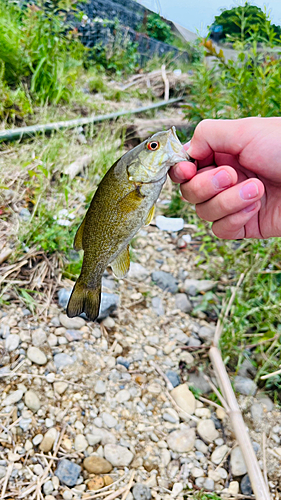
(185, 156)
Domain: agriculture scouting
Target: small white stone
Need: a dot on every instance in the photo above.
(207, 431)
(80, 443)
(37, 439)
(237, 463)
(100, 387)
(12, 342)
(60, 387)
(219, 454)
(28, 445)
(52, 340)
(203, 413)
(233, 488)
(177, 489)
(38, 469)
(36, 356)
(184, 398)
(38, 337)
(13, 398)
(123, 396)
(50, 377)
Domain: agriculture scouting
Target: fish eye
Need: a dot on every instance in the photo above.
(153, 145)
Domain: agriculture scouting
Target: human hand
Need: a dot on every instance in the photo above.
(238, 182)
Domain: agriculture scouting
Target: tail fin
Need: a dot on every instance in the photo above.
(85, 300)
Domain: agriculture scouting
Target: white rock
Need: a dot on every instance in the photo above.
(100, 387)
(12, 342)
(13, 398)
(203, 413)
(60, 387)
(237, 463)
(109, 420)
(233, 488)
(197, 472)
(177, 489)
(171, 224)
(38, 469)
(52, 340)
(36, 356)
(219, 454)
(182, 440)
(123, 396)
(184, 398)
(93, 439)
(117, 455)
(48, 440)
(165, 457)
(137, 272)
(207, 431)
(71, 323)
(37, 439)
(80, 443)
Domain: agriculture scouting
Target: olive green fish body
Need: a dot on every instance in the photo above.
(122, 204)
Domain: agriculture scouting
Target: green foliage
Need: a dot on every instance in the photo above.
(155, 27)
(249, 86)
(14, 103)
(247, 20)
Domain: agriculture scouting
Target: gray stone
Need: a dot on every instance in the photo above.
(137, 272)
(245, 485)
(170, 418)
(71, 323)
(183, 303)
(72, 335)
(194, 342)
(60, 387)
(93, 439)
(13, 398)
(32, 401)
(100, 387)
(171, 224)
(12, 342)
(237, 464)
(48, 487)
(141, 492)
(108, 283)
(182, 440)
(245, 386)
(165, 281)
(38, 337)
(24, 214)
(173, 377)
(68, 472)
(123, 361)
(247, 369)
(123, 396)
(106, 437)
(219, 454)
(37, 356)
(63, 296)
(265, 401)
(109, 420)
(117, 455)
(191, 285)
(199, 383)
(201, 446)
(209, 484)
(257, 412)
(62, 360)
(157, 306)
(206, 333)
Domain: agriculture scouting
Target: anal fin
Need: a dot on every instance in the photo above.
(77, 245)
(150, 215)
(120, 266)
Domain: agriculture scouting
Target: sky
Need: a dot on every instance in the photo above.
(197, 15)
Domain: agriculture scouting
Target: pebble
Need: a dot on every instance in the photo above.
(123, 361)
(257, 412)
(96, 483)
(165, 281)
(12, 398)
(181, 440)
(265, 401)
(97, 465)
(141, 492)
(207, 431)
(38, 469)
(52, 340)
(123, 396)
(48, 440)
(206, 334)
(12, 342)
(3, 471)
(109, 420)
(157, 306)
(71, 323)
(151, 351)
(238, 467)
(171, 224)
(233, 488)
(109, 302)
(100, 387)
(62, 360)
(245, 386)
(201, 446)
(245, 485)
(80, 443)
(137, 272)
(32, 401)
(197, 381)
(117, 455)
(209, 484)
(93, 439)
(60, 387)
(48, 487)
(173, 377)
(68, 472)
(165, 457)
(183, 303)
(220, 413)
(219, 454)
(67, 495)
(37, 356)
(193, 286)
(73, 335)
(176, 490)
(37, 439)
(184, 398)
(38, 337)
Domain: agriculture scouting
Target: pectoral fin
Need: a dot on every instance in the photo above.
(131, 201)
(150, 215)
(120, 266)
(77, 245)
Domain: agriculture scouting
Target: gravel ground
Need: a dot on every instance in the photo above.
(104, 410)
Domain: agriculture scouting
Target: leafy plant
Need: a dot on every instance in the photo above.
(155, 27)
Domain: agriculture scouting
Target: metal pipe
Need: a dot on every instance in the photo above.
(19, 133)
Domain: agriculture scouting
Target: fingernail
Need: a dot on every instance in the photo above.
(222, 180)
(249, 191)
(250, 208)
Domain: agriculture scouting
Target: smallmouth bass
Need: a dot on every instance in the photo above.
(123, 203)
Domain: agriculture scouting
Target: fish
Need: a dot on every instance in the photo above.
(123, 202)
